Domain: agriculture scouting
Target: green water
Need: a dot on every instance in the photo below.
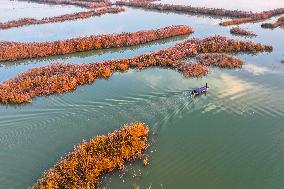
(232, 138)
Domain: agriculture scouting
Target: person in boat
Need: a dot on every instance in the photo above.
(200, 90)
(193, 92)
(206, 87)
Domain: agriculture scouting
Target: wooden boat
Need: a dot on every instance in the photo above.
(200, 90)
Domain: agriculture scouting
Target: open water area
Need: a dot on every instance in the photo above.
(230, 138)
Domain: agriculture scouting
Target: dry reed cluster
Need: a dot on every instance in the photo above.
(256, 17)
(89, 160)
(62, 77)
(62, 18)
(189, 69)
(239, 31)
(219, 60)
(10, 51)
(278, 23)
(92, 4)
(186, 9)
(239, 17)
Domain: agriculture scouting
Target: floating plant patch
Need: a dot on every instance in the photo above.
(63, 77)
(102, 154)
(62, 18)
(16, 50)
(239, 31)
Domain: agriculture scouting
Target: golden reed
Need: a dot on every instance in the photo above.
(61, 18)
(102, 154)
(64, 77)
(10, 51)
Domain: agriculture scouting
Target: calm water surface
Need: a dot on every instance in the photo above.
(231, 138)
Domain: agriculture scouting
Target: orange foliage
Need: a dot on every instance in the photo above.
(255, 17)
(61, 78)
(278, 23)
(89, 160)
(192, 70)
(106, 72)
(123, 67)
(82, 3)
(62, 18)
(16, 50)
(219, 60)
(239, 16)
(239, 31)
(185, 9)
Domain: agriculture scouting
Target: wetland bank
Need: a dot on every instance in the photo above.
(230, 138)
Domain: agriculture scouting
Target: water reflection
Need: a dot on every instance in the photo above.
(10, 69)
(12, 10)
(137, 19)
(100, 52)
(256, 70)
(239, 96)
(231, 138)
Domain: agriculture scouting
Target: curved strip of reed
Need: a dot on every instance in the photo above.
(61, 77)
(102, 154)
(240, 17)
(256, 17)
(186, 9)
(10, 51)
(61, 18)
(278, 23)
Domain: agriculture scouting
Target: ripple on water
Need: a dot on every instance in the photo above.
(240, 97)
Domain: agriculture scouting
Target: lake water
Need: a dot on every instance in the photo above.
(231, 138)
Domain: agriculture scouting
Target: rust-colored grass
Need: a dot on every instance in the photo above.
(62, 18)
(189, 69)
(92, 4)
(278, 23)
(256, 17)
(239, 17)
(185, 9)
(242, 32)
(89, 160)
(10, 51)
(219, 60)
(62, 77)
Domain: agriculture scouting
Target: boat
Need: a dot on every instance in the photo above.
(200, 90)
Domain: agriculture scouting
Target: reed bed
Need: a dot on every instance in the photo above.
(102, 154)
(239, 17)
(186, 9)
(219, 60)
(220, 44)
(10, 51)
(189, 69)
(62, 18)
(242, 32)
(92, 4)
(256, 17)
(65, 77)
(278, 23)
